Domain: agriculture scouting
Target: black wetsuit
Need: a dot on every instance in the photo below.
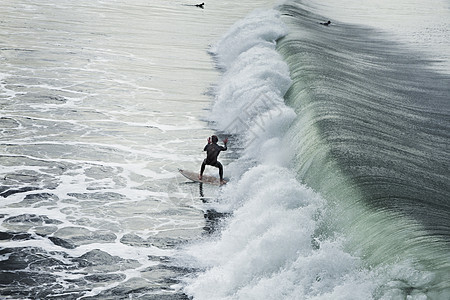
(212, 152)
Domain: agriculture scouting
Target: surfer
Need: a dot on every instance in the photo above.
(200, 5)
(212, 151)
(327, 23)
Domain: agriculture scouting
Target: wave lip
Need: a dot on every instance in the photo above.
(255, 77)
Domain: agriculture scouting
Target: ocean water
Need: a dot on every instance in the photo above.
(338, 161)
(341, 188)
(100, 103)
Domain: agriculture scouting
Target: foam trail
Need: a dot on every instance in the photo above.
(91, 107)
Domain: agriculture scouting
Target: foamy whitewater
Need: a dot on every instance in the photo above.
(338, 162)
(100, 103)
(269, 248)
(341, 188)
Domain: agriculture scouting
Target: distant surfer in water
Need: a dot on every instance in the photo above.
(200, 5)
(212, 151)
(327, 23)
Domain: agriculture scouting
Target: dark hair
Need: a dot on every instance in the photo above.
(215, 139)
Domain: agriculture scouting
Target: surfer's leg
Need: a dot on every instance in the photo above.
(202, 169)
(219, 165)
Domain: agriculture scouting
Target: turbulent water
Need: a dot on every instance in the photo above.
(342, 188)
(338, 160)
(100, 103)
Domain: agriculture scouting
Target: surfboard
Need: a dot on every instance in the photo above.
(205, 178)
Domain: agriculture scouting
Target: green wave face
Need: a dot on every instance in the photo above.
(372, 136)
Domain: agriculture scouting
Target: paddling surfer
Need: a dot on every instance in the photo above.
(200, 5)
(326, 24)
(212, 152)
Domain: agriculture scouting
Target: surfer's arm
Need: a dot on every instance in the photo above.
(224, 148)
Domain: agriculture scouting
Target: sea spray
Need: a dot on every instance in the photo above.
(286, 241)
(259, 28)
(255, 78)
(273, 245)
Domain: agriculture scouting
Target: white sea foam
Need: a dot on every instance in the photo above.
(262, 27)
(268, 248)
(96, 117)
(256, 78)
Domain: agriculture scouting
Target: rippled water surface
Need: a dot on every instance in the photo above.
(100, 103)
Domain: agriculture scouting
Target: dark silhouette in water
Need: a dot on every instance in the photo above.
(327, 23)
(213, 150)
(200, 5)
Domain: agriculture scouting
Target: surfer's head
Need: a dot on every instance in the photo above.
(214, 139)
